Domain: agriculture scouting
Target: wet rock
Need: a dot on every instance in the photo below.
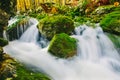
(63, 46)
(111, 23)
(49, 26)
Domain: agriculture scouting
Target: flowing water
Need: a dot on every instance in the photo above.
(96, 58)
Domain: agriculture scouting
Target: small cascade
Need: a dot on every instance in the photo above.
(17, 30)
(32, 35)
(97, 57)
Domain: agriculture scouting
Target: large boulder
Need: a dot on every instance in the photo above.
(63, 46)
(111, 22)
(51, 25)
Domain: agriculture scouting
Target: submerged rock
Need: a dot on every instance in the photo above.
(63, 46)
(49, 26)
(111, 22)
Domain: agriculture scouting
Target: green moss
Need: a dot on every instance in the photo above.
(39, 16)
(51, 25)
(25, 74)
(115, 39)
(3, 42)
(21, 20)
(111, 23)
(81, 20)
(63, 46)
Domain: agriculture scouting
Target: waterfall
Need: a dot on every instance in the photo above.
(15, 28)
(96, 58)
(31, 34)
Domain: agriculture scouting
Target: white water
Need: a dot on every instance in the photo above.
(32, 33)
(97, 58)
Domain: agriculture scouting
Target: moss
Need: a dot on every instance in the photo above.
(51, 25)
(81, 20)
(111, 22)
(38, 16)
(21, 20)
(22, 73)
(115, 39)
(3, 42)
(62, 46)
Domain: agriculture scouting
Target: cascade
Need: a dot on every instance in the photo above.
(17, 31)
(96, 58)
(32, 35)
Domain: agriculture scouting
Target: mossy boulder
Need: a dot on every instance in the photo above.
(3, 42)
(51, 25)
(63, 46)
(111, 22)
(99, 13)
(116, 40)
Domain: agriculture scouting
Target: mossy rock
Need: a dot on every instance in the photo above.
(111, 22)
(116, 40)
(63, 46)
(3, 42)
(104, 9)
(24, 73)
(51, 25)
